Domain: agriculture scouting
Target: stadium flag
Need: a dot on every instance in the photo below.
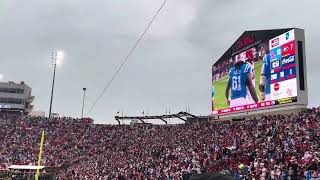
(39, 158)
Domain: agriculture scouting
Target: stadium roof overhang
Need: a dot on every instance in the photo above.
(181, 115)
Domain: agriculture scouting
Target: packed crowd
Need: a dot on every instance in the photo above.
(20, 138)
(273, 147)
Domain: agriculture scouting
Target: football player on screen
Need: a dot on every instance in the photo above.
(239, 80)
(265, 77)
(250, 56)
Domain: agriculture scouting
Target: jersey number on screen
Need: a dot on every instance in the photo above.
(236, 83)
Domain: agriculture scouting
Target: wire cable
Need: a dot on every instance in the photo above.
(126, 58)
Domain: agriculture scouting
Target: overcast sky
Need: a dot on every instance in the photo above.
(170, 69)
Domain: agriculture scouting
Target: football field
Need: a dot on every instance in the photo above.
(220, 101)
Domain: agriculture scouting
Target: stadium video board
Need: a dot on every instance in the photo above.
(258, 71)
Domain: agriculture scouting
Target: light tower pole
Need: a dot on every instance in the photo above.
(84, 96)
(56, 57)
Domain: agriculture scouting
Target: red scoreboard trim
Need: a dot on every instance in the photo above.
(245, 107)
(291, 76)
(288, 66)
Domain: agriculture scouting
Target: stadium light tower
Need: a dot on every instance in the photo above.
(57, 58)
(84, 95)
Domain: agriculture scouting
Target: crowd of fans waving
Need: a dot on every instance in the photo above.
(271, 147)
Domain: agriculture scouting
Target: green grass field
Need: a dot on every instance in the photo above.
(220, 101)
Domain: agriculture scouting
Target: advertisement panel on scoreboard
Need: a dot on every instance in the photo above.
(257, 73)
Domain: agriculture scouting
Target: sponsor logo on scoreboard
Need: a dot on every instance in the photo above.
(274, 78)
(288, 49)
(276, 53)
(284, 89)
(287, 60)
(275, 64)
(287, 35)
(276, 86)
(289, 92)
(275, 42)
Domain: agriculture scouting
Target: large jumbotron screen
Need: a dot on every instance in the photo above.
(258, 71)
